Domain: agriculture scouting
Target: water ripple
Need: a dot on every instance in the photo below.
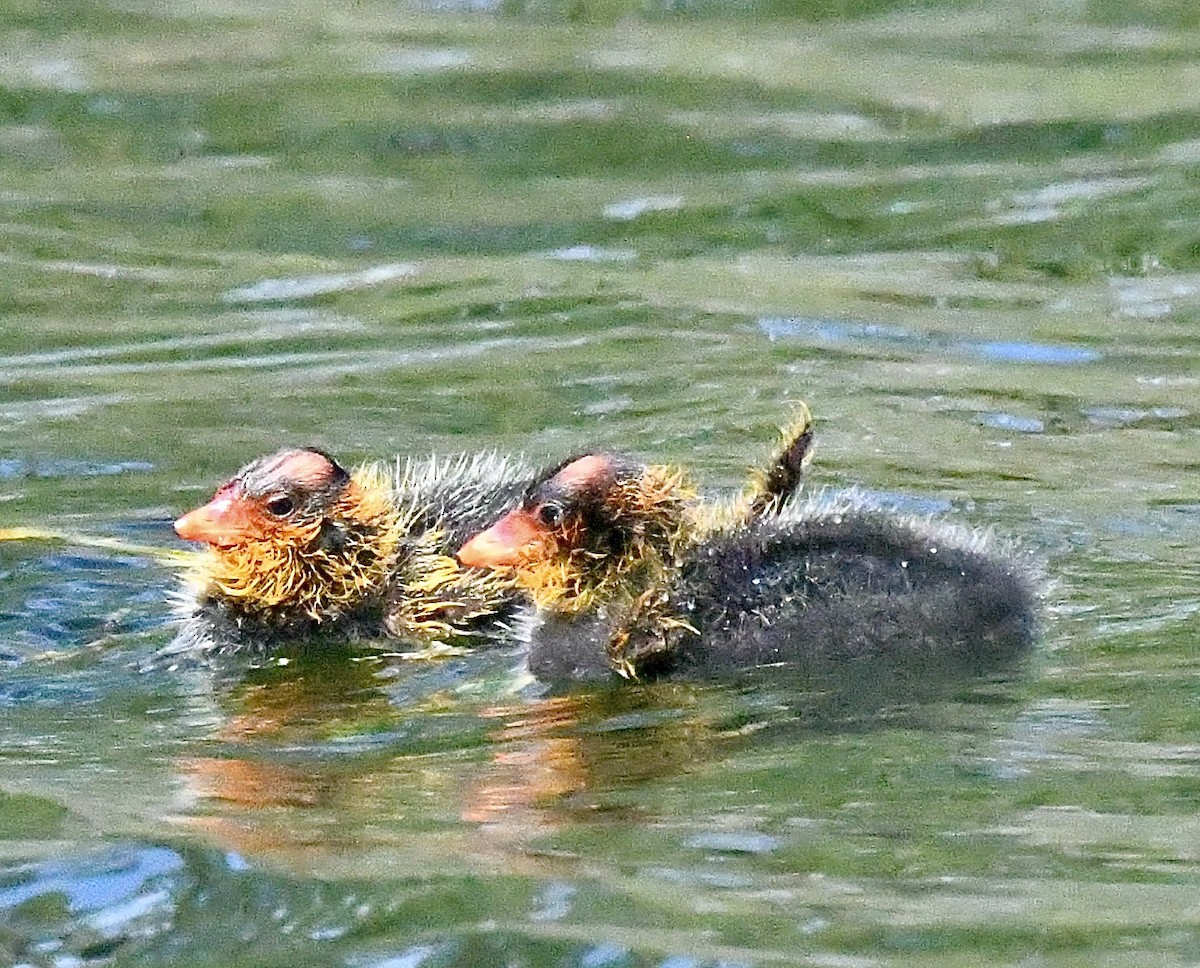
(106, 892)
(591, 253)
(271, 325)
(1008, 421)
(780, 328)
(305, 287)
(630, 208)
(1023, 352)
(11, 468)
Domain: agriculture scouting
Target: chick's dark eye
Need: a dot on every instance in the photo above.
(551, 514)
(281, 506)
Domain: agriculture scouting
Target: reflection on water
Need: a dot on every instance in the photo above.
(323, 745)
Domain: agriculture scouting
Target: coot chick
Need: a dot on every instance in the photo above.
(627, 577)
(298, 545)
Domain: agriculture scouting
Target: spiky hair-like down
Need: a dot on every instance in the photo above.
(773, 485)
(645, 520)
(373, 559)
(317, 573)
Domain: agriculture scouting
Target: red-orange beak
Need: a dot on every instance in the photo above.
(515, 538)
(227, 520)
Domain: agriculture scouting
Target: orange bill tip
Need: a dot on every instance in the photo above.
(515, 538)
(223, 521)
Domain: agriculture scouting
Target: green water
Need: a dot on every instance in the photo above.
(966, 234)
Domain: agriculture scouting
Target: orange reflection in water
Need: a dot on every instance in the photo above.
(276, 783)
(277, 786)
(531, 768)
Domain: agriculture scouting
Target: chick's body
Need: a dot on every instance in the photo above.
(828, 579)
